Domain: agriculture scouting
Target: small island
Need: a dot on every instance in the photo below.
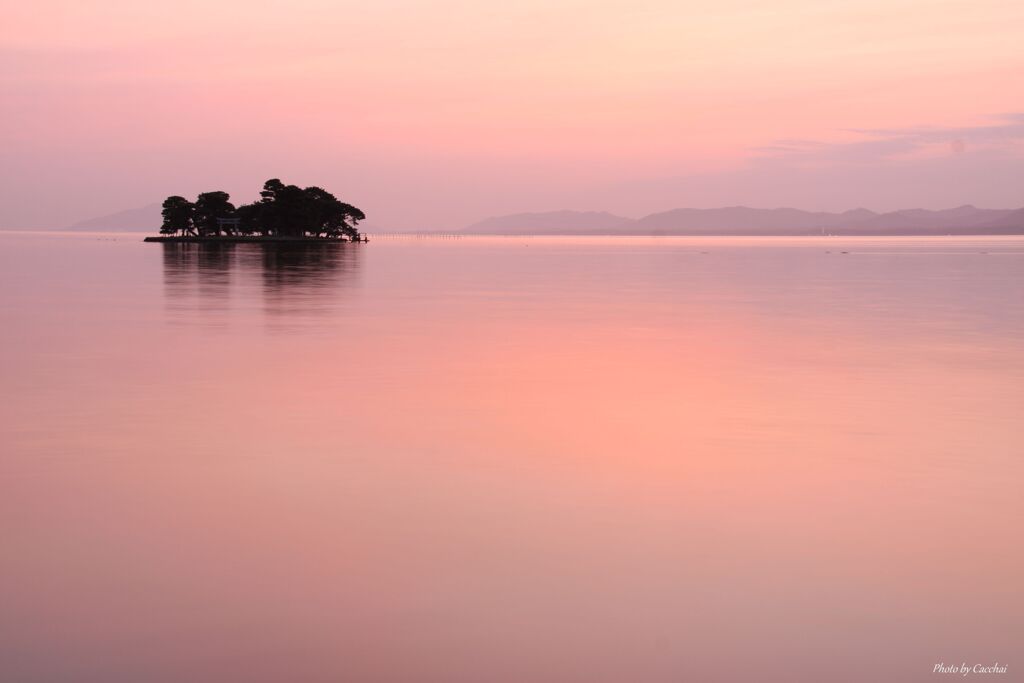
(284, 213)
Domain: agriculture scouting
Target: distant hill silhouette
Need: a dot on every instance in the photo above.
(747, 220)
(1014, 220)
(742, 220)
(734, 220)
(143, 219)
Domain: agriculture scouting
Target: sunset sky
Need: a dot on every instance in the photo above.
(431, 114)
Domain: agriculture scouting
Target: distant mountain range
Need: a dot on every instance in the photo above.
(733, 220)
(143, 219)
(742, 220)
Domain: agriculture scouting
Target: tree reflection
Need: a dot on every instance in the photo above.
(281, 279)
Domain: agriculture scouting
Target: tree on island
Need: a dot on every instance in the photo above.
(177, 213)
(209, 207)
(282, 211)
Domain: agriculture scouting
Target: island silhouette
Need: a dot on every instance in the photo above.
(283, 213)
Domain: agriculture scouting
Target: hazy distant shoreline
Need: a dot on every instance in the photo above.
(728, 221)
(745, 221)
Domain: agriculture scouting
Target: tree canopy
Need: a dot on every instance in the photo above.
(177, 213)
(282, 210)
(208, 208)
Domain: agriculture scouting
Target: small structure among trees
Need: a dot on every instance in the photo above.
(282, 211)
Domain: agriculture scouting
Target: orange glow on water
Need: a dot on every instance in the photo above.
(553, 459)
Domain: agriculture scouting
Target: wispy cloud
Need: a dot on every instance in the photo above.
(1010, 127)
(887, 144)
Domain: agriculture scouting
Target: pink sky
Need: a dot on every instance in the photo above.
(433, 114)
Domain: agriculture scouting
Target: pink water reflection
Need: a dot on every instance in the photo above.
(511, 460)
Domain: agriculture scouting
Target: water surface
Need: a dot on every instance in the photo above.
(510, 459)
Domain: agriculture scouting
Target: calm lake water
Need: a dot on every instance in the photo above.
(511, 459)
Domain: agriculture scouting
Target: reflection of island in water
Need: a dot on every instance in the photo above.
(280, 279)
